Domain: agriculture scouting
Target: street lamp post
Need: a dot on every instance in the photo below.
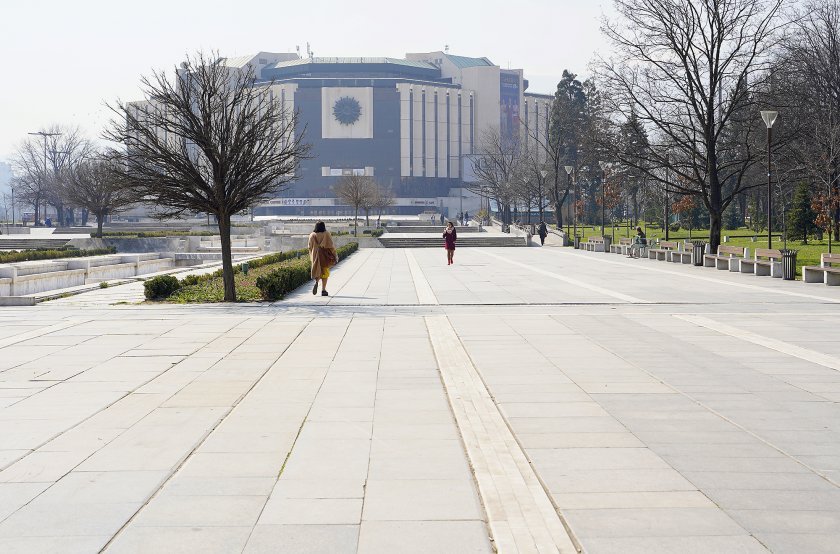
(769, 117)
(569, 171)
(603, 195)
(543, 174)
(44, 135)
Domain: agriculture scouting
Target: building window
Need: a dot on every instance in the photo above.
(411, 132)
(436, 135)
(423, 130)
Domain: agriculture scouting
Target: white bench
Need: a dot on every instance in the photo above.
(765, 261)
(728, 258)
(684, 254)
(593, 244)
(825, 272)
(662, 251)
(623, 246)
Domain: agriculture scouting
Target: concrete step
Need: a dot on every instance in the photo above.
(434, 242)
(32, 244)
(429, 229)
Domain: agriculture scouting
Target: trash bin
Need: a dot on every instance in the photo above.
(607, 243)
(577, 243)
(699, 250)
(789, 264)
(245, 268)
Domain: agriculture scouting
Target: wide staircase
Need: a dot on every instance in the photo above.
(472, 238)
(32, 244)
(430, 229)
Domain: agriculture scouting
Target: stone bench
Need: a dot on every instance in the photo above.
(684, 254)
(662, 251)
(728, 258)
(593, 244)
(765, 261)
(623, 246)
(825, 272)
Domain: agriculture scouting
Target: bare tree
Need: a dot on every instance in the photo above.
(383, 199)
(689, 70)
(96, 186)
(357, 191)
(498, 167)
(41, 163)
(811, 61)
(210, 140)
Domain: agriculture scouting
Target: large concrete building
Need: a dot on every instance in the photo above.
(409, 123)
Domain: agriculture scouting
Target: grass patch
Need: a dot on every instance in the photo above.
(31, 255)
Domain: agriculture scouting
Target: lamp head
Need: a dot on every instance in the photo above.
(603, 165)
(769, 117)
(543, 173)
(569, 169)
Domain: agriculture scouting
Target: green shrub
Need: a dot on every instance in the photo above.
(103, 285)
(30, 255)
(151, 234)
(292, 274)
(160, 287)
(190, 280)
(376, 233)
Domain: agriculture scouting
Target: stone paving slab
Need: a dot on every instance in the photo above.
(660, 408)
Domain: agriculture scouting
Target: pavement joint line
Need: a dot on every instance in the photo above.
(207, 434)
(35, 333)
(425, 295)
(572, 281)
(702, 404)
(806, 354)
(302, 421)
(502, 471)
(748, 286)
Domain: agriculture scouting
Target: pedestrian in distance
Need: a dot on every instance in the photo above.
(542, 231)
(442, 220)
(450, 235)
(323, 256)
(466, 218)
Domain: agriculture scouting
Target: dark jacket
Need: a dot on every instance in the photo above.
(449, 239)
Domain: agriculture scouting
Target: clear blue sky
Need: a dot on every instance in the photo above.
(62, 60)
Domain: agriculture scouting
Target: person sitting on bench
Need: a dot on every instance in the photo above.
(639, 243)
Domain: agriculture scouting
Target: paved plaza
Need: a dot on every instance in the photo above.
(522, 400)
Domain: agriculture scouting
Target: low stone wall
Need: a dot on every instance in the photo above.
(134, 245)
(33, 277)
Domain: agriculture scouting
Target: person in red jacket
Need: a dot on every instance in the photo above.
(449, 238)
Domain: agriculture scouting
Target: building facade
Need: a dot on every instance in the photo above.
(409, 123)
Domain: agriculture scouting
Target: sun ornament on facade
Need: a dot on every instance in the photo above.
(347, 110)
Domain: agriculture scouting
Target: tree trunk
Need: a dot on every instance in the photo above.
(100, 221)
(715, 218)
(227, 261)
(367, 217)
(558, 212)
(356, 223)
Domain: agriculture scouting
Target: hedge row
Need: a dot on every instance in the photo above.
(293, 270)
(293, 274)
(30, 255)
(152, 234)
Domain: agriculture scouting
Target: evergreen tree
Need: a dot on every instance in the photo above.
(801, 218)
